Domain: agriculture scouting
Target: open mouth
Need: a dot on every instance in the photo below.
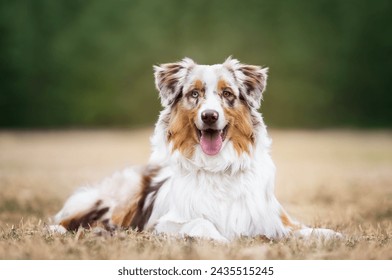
(211, 140)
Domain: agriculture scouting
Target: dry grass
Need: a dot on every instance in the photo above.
(335, 179)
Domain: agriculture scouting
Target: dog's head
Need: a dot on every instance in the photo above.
(210, 105)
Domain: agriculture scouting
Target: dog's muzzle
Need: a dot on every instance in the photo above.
(211, 138)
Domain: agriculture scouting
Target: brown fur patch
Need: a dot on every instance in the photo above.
(285, 220)
(138, 216)
(182, 131)
(86, 219)
(288, 223)
(198, 84)
(222, 84)
(240, 128)
(119, 214)
(123, 214)
(126, 215)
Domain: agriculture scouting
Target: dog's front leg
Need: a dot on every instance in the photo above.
(199, 227)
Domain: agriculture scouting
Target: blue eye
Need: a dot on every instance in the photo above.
(195, 94)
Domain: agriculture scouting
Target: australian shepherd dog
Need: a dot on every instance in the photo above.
(210, 174)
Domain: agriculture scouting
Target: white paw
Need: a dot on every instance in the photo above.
(56, 229)
(168, 227)
(204, 229)
(318, 232)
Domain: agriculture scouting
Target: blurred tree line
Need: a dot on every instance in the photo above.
(68, 63)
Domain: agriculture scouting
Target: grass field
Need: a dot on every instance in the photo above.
(336, 179)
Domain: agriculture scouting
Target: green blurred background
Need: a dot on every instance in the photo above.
(84, 63)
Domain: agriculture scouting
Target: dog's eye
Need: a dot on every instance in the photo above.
(226, 94)
(195, 94)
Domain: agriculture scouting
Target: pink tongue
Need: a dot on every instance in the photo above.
(211, 143)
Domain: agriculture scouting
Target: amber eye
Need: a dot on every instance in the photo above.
(195, 94)
(226, 93)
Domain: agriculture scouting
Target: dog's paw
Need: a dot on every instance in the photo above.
(56, 229)
(318, 233)
(204, 229)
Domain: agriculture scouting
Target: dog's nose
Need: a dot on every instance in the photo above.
(209, 116)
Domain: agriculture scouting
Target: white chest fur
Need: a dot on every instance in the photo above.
(233, 204)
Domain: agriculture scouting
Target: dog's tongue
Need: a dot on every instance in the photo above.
(211, 142)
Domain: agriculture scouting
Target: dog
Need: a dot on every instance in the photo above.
(210, 174)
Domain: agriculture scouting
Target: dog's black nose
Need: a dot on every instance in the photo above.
(209, 116)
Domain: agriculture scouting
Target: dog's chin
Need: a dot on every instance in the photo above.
(211, 140)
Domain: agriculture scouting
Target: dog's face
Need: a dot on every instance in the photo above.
(210, 105)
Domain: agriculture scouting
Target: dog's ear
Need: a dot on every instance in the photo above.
(169, 79)
(252, 80)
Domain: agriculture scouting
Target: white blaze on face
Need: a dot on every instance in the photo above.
(212, 135)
